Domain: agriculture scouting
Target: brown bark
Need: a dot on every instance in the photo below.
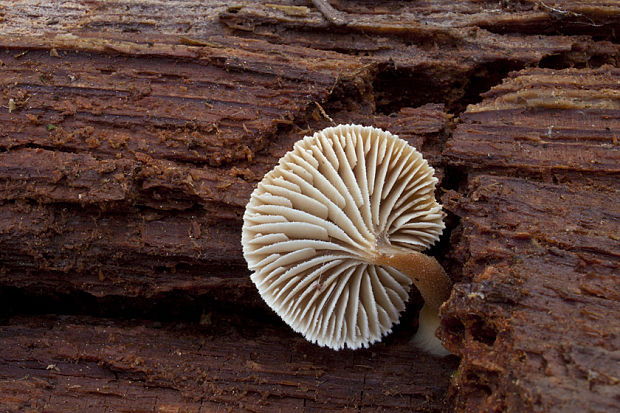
(227, 363)
(535, 318)
(133, 133)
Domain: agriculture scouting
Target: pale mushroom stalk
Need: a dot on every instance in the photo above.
(434, 285)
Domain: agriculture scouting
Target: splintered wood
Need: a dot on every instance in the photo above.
(133, 133)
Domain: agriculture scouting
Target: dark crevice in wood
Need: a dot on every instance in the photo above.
(578, 26)
(50, 147)
(395, 88)
(170, 308)
(442, 249)
(583, 56)
(481, 80)
(483, 332)
(455, 178)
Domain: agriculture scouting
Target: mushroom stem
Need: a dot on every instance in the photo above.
(433, 283)
(425, 272)
(425, 338)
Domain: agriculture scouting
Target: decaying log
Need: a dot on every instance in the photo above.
(134, 124)
(224, 364)
(544, 122)
(133, 133)
(536, 316)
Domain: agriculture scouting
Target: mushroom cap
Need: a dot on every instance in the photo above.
(316, 224)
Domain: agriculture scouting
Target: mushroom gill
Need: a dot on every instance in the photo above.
(334, 232)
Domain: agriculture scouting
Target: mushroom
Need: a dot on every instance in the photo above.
(334, 234)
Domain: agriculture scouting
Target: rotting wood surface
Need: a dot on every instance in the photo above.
(536, 322)
(133, 134)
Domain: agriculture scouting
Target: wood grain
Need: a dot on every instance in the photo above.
(536, 310)
(224, 364)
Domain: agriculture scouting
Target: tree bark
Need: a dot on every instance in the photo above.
(535, 318)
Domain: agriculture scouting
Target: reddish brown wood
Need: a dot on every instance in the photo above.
(133, 133)
(226, 363)
(535, 318)
(544, 121)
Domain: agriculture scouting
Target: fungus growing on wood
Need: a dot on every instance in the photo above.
(334, 235)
